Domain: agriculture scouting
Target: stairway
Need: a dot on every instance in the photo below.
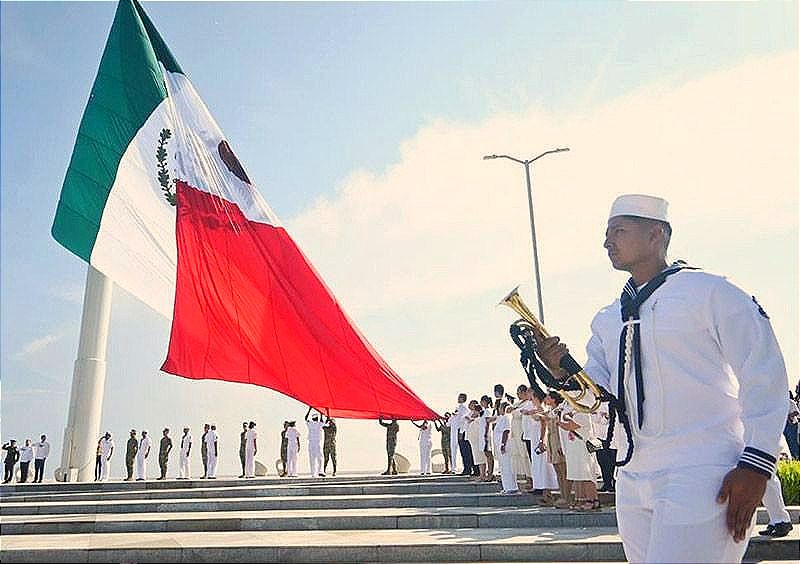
(342, 519)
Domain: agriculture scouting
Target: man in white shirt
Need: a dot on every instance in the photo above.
(42, 449)
(250, 450)
(141, 456)
(212, 444)
(314, 443)
(183, 457)
(106, 450)
(459, 428)
(25, 457)
(702, 381)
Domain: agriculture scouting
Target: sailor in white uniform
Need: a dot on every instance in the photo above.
(292, 448)
(250, 450)
(314, 444)
(212, 444)
(425, 446)
(456, 426)
(107, 449)
(141, 456)
(186, 448)
(703, 381)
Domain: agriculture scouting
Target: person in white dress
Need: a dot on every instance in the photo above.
(501, 435)
(141, 456)
(542, 472)
(250, 450)
(582, 470)
(212, 445)
(486, 406)
(184, 471)
(292, 448)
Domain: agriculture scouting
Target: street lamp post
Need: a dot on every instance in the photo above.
(527, 164)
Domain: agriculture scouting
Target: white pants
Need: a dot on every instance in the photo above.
(212, 463)
(454, 450)
(673, 516)
(141, 468)
(103, 467)
(773, 501)
(249, 464)
(183, 468)
(507, 476)
(291, 462)
(315, 459)
(425, 458)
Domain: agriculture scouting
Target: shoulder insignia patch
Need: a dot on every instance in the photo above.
(760, 309)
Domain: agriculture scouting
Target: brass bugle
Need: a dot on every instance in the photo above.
(576, 373)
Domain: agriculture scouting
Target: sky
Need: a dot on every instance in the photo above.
(363, 125)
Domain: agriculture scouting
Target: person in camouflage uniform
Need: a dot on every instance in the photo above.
(329, 444)
(284, 446)
(130, 454)
(163, 454)
(392, 428)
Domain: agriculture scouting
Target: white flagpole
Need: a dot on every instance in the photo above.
(88, 382)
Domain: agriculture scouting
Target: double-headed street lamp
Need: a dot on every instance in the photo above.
(526, 164)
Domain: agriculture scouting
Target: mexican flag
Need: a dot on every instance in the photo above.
(155, 199)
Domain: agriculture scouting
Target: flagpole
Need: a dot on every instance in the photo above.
(88, 382)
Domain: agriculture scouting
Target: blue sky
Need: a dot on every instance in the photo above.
(320, 100)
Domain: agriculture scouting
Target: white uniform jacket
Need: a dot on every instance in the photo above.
(714, 378)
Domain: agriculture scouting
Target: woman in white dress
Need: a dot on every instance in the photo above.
(543, 473)
(502, 438)
(576, 429)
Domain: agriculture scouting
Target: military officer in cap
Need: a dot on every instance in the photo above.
(703, 381)
(130, 454)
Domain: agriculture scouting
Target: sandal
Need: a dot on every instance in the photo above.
(588, 505)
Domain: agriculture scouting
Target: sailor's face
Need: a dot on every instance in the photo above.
(628, 242)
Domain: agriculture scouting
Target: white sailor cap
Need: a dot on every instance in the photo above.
(640, 205)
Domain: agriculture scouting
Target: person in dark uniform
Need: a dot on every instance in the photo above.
(163, 454)
(242, 445)
(284, 446)
(329, 444)
(12, 455)
(204, 449)
(392, 428)
(130, 454)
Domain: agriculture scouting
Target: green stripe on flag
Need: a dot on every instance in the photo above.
(128, 87)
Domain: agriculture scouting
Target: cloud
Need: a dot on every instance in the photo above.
(72, 294)
(38, 345)
(442, 224)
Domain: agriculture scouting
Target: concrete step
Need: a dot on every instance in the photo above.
(171, 483)
(440, 545)
(320, 519)
(267, 503)
(354, 489)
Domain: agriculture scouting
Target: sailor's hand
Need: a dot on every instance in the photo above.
(551, 350)
(743, 490)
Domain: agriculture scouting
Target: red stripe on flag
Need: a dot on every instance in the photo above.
(250, 308)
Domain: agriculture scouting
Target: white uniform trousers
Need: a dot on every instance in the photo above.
(141, 468)
(212, 463)
(507, 476)
(183, 467)
(315, 459)
(673, 516)
(103, 467)
(249, 463)
(425, 457)
(291, 462)
(773, 501)
(454, 450)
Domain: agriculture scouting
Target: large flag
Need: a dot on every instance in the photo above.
(155, 199)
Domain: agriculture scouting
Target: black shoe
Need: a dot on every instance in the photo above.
(780, 530)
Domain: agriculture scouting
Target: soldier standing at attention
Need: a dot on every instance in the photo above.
(130, 454)
(204, 449)
(163, 454)
(284, 445)
(243, 447)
